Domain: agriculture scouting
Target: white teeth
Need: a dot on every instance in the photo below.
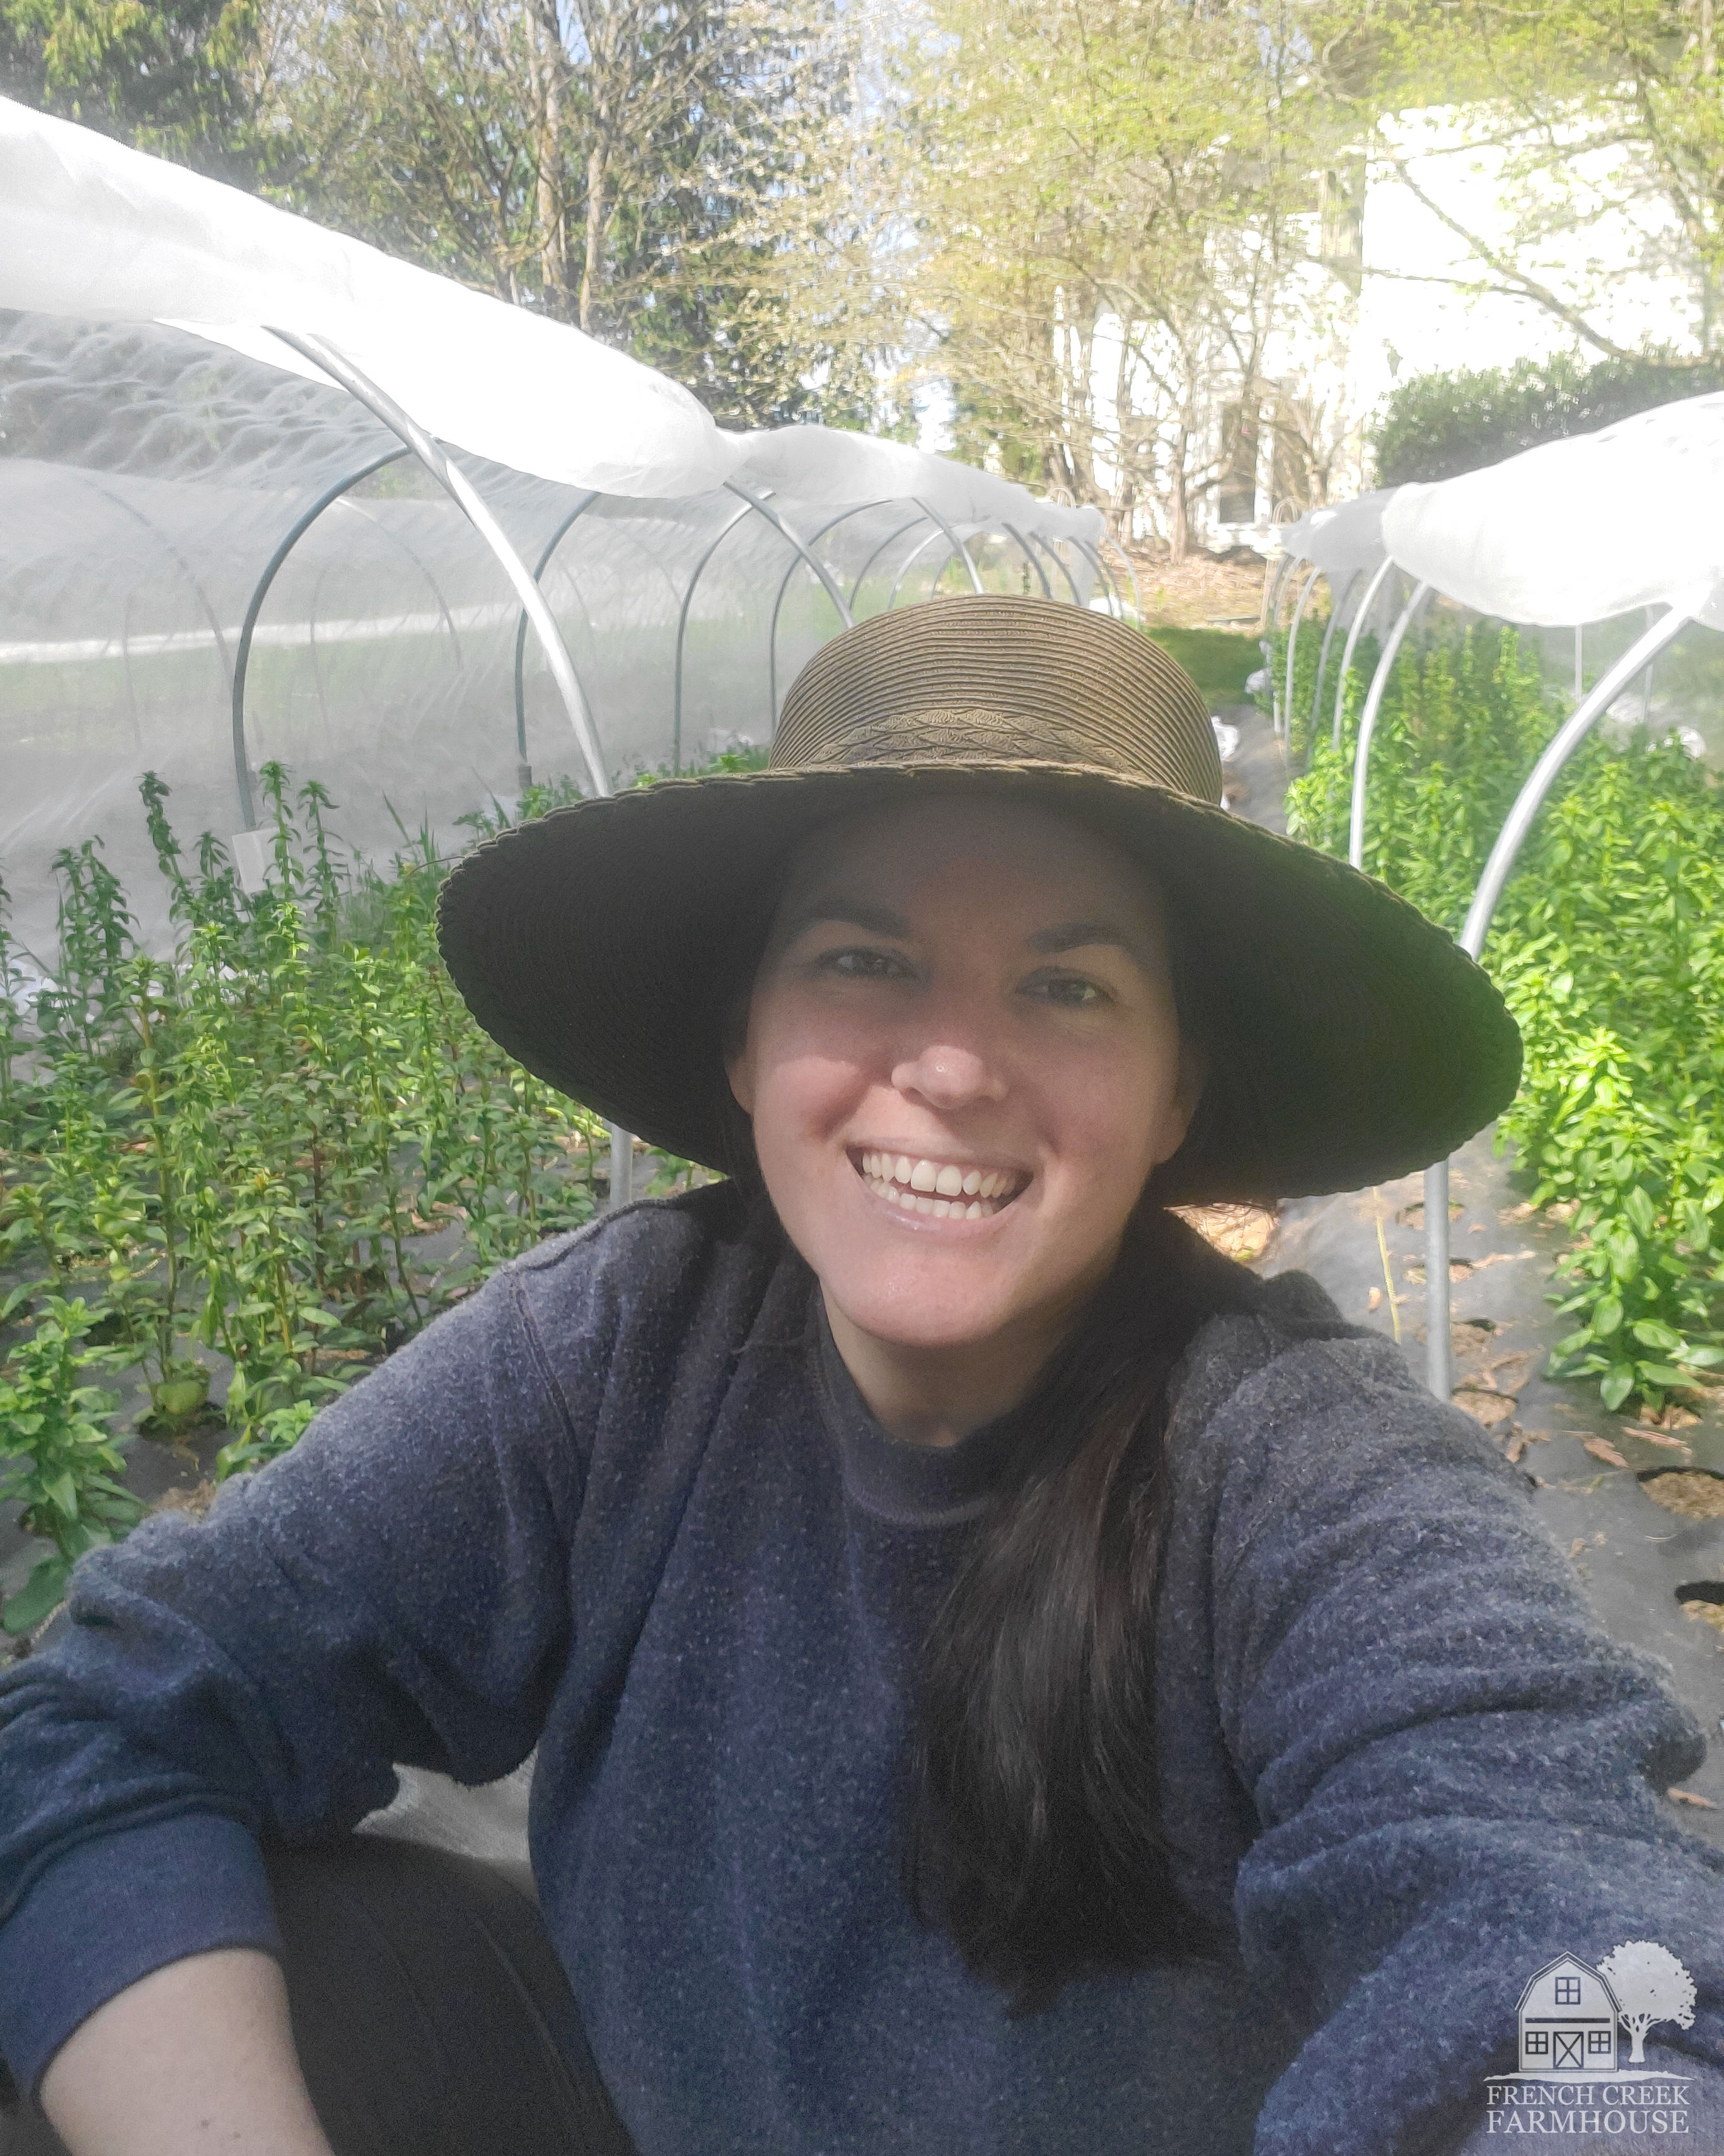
(938, 1189)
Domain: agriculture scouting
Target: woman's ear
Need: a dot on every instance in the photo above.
(1189, 1080)
(733, 1048)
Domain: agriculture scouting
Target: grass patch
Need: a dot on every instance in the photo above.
(1216, 659)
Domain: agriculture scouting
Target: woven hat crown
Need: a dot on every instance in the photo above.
(991, 681)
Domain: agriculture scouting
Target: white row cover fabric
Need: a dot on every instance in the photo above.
(89, 228)
(92, 230)
(1343, 539)
(171, 475)
(1581, 530)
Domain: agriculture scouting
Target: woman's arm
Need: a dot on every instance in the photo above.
(196, 2056)
(395, 1589)
(1454, 1773)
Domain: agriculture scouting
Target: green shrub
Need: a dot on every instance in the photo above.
(58, 1431)
(246, 1146)
(1436, 426)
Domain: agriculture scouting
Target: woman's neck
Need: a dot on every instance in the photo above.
(937, 1395)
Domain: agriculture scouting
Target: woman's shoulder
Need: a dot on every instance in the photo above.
(1263, 1329)
(1280, 1394)
(704, 1263)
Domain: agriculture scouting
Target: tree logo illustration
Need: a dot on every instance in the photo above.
(1650, 1985)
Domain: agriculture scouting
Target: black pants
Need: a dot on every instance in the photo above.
(430, 2013)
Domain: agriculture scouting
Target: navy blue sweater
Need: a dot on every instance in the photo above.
(622, 1505)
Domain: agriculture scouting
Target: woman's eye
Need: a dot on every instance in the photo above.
(1069, 992)
(855, 965)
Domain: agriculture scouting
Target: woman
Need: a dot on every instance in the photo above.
(1002, 1678)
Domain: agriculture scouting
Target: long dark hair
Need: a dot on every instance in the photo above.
(1034, 1833)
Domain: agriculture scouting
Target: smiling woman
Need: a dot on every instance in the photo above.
(1003, 1678)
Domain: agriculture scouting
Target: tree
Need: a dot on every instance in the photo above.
(649, 169)
(179, 78)
(1596, 111)
(1119, 199)
(1651, 1986)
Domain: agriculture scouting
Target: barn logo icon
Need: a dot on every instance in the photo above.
(1568, 2017)
(1574, 2081)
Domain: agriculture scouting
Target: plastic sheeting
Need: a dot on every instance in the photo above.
(1582, 530)
(1343, 539)
(160, 448)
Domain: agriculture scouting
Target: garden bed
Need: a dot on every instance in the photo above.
(234, 1178)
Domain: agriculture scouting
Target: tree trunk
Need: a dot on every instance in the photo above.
(1178, 508)
(553, 249)
(593, 267)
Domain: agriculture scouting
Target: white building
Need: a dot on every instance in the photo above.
(1393, 290)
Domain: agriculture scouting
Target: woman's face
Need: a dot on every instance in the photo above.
(961, 1062)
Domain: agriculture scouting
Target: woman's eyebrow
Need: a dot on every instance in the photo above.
(1075, 935)
(854, 913)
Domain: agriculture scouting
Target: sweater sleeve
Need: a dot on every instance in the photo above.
(1453, 1770)
(392, 1589)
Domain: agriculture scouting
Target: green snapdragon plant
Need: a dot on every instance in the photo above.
(55, 1429)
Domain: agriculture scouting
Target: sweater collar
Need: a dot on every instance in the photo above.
(923, 1485)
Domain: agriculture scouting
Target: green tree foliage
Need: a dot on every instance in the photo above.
(177, 77)
(1434, 426)
(1112, 194)
(662, 172)
(1609, 945)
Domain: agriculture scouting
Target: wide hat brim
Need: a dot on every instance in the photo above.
(1349, 1039)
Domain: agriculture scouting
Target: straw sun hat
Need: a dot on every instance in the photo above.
(1350, 1041)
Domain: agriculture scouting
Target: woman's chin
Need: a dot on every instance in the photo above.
(923, 1322)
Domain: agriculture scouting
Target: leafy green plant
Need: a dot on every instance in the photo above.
(287, 1140)
(57, 1429)
(1436, 426)
(1609, 946)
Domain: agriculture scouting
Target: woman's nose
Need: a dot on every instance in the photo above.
(949, 1074)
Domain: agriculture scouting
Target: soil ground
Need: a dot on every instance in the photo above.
(1204, 591)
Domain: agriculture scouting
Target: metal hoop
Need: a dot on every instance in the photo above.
(550, 547)
(1353, 638)
(455, 483)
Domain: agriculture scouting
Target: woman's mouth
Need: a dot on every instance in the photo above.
(945, 1189)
